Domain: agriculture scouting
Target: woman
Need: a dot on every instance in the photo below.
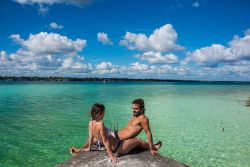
(113, 146)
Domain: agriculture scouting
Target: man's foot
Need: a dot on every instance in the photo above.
(74, 150)
(158, 145)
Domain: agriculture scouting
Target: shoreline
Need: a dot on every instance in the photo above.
(104, 80)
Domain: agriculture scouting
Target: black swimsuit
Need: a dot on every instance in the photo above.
(118, 140)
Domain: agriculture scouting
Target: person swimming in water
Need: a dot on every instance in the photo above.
(112, 144)
(137, 123)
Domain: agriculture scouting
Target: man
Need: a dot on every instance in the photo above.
(136, 124)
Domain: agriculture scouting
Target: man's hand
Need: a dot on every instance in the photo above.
(153, 152)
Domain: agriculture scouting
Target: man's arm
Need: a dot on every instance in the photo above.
(146, 127)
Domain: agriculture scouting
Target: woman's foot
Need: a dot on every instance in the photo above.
(74, 150)
(158, 145)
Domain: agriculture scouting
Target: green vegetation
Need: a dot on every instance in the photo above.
(96, 79)
(25, 78)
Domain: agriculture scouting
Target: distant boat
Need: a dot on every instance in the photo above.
(104, 81)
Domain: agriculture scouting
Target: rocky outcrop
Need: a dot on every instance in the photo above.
(137, 158)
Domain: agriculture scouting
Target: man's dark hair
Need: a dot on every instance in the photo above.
(140, 102)
(96, 110)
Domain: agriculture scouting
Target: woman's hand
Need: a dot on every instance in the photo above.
(114, 159)
(85, 149)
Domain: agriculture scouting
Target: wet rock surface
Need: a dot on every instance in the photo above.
(137, 158)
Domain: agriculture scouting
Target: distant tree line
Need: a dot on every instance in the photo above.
(35, 78)
(97, 79)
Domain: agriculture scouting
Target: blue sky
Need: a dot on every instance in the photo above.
(165, 39)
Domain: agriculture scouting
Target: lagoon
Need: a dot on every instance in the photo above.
(200, 124)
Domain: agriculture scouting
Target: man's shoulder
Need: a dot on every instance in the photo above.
(143, 118)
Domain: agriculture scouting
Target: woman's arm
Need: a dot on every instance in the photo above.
(91, 137)
(87, 146)
(106, 143)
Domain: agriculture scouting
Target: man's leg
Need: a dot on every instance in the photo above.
(144, 145)
(127, 145)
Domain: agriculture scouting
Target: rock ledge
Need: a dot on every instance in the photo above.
(138, 158)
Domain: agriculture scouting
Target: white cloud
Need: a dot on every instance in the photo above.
(30, 64)
(16, 38)
(50, 54)
(53, 25)
(247, 32)
(138, 70)
(43, 4)
(105, 68)
(196, 4)
(42, 9)
(215, 54)
(50, 43)
(3, 56)
(109, 69)
(240, 47)
(242, 69)
(158, 58)
(51, 2)
(103, 37)
(230, 71)
(67, 63)
(45, 54)
(162, 39)
(210, 55)
(138, 67)
(70, 63)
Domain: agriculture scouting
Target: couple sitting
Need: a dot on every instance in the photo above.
(122, 141)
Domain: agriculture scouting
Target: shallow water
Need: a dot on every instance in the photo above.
(40, 120)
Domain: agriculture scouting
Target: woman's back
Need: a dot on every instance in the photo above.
(94, 128)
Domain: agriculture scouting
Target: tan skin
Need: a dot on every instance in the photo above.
(141, 122)
(97, 131)
(130, 131)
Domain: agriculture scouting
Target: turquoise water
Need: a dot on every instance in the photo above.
(40, 120)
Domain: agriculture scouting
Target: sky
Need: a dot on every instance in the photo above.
(160, 39)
